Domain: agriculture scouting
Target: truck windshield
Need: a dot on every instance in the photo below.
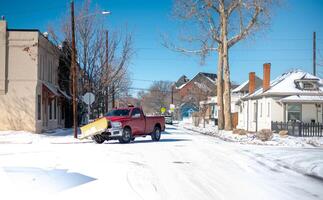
(117, 113)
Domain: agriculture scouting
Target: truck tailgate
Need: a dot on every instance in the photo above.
(94, 128)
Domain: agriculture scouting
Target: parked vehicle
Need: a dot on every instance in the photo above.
(124, 124)
(169, 119)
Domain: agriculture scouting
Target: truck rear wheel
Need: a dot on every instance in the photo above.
(126, 136)
(99, 139)
(155, 136)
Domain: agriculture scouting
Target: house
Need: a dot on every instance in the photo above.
(236, 93)
(200, 84)
(295, 96)
(188, 93)
(30, 98)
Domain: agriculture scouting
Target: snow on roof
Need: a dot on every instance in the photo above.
(180, 87)
(237, 89)
(301, 98)
(285, 84)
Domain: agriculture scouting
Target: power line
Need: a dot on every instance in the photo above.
(246, 49)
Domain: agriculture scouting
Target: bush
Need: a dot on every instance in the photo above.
(239, 131)
(283, 133)
(264, 135)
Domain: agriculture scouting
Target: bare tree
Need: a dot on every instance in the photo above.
(103, 62)
(157, 97)
(219, 25)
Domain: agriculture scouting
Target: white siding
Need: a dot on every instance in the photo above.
(310, 112)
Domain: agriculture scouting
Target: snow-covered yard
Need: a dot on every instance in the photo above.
(277, 140)
(183, 165)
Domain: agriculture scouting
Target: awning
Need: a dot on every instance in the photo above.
(64, 94)
(51, 89)
(302, 99)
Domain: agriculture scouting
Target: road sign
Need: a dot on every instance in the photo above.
(163, 110)
(172, 107)
(88, 98)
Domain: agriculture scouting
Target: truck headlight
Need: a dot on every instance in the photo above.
(116, 124)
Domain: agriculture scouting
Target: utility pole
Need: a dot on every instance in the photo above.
(107, 69)
(113, 100)
(172, 94)
(314, 53)
(73, 66)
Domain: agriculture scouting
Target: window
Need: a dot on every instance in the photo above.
(119, 112)
(50, 113)
(38, 107)
(268, 110)
(260, 109)
(254, 111)
(63, 112)
(42, 67)
(55, 107)
(136, 113)
(294, 112)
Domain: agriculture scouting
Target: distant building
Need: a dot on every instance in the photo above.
(236, 93)
(188, 93)
(30, 98)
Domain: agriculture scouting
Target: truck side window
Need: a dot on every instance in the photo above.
(136, 113)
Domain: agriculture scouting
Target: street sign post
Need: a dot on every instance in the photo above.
(88, 98)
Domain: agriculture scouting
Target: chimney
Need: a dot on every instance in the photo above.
(266, 79)
(252, 82)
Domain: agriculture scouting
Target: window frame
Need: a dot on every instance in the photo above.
(39, 107)
(293, 111)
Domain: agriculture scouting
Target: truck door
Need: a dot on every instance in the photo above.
(138, 122)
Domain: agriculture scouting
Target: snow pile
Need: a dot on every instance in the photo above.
(58, 136)
(309, 162)
(250, 138)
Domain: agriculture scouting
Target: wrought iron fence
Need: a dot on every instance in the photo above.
(299, 129)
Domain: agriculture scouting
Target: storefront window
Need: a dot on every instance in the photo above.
(294, 112)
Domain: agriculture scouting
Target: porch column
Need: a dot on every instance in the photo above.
(285, 110)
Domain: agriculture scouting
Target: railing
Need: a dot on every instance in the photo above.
(299, 129)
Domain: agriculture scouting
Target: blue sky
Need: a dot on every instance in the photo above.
(287, 43)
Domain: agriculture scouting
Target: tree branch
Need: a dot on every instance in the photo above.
(247, 29)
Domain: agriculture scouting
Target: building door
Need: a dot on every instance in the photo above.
(235, 119)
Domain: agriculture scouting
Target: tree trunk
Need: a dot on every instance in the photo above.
(220, 89)
(226, 78)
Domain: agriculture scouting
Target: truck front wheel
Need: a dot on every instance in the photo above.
(99, 139)
(155, 136)
(126, 136)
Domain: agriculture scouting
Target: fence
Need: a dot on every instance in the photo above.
(299, 129)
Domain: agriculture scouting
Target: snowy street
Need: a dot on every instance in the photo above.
(182, 165)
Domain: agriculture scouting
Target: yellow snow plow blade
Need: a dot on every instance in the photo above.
(94, 128)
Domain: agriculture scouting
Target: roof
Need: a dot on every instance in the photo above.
(181, 81)
(303, 99)
(210, 76)
(285, 85)
(244, 87)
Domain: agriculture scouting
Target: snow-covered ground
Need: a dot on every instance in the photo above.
(277, 140)
(183, 165)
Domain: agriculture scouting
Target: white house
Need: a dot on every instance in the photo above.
(294, 96)
(236, 94)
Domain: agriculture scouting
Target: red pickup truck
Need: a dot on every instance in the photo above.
(124, 124)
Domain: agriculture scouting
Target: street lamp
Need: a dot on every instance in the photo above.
(73, 64)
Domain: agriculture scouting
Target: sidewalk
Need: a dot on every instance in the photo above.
(289, 141)
(57, 136)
